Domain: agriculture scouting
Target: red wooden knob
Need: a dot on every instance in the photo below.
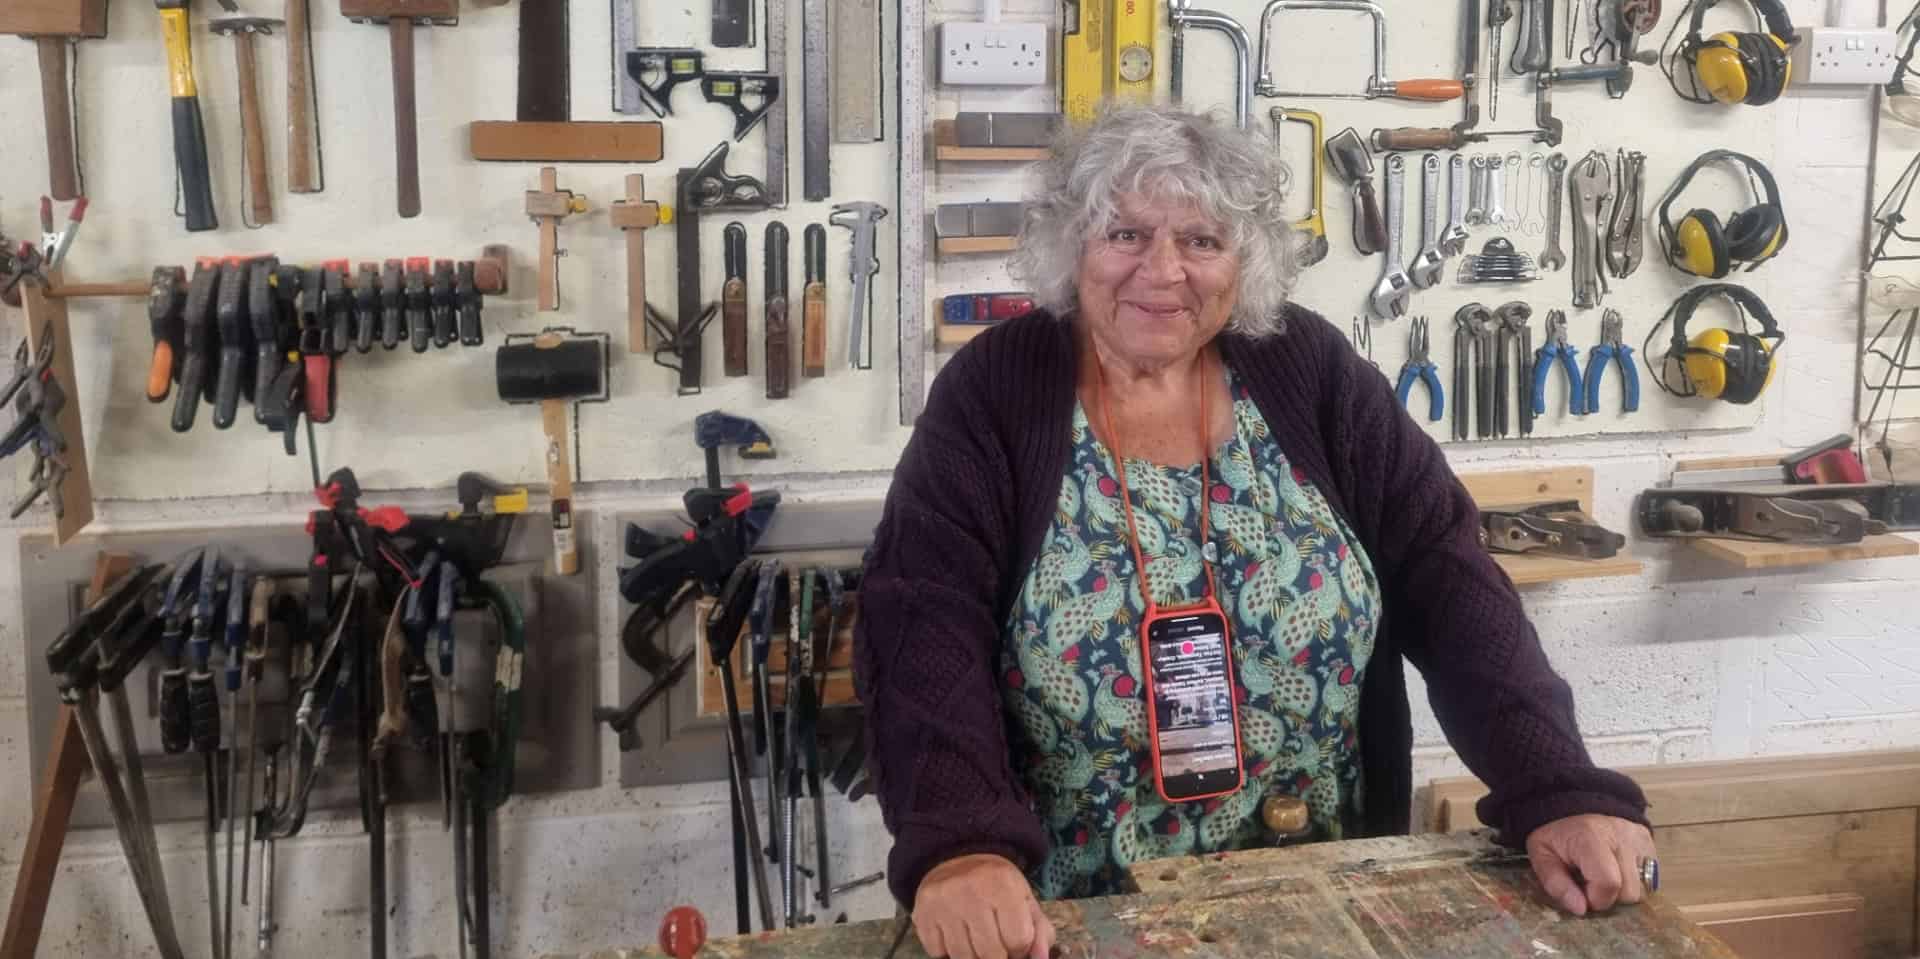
(683, 932)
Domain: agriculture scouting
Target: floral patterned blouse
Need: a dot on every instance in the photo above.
(1301, 602)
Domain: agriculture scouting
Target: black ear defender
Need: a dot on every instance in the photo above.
(1731, 66)
(1700, 244)
(1719, 363)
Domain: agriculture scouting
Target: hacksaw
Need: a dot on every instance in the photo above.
(1107, 50)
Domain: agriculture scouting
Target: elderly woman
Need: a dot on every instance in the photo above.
(1273, 491)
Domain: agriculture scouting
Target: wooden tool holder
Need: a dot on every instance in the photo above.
(1531, 487)
(710, 699)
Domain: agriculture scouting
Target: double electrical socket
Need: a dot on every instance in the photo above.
(1838, 56)
(993, 54)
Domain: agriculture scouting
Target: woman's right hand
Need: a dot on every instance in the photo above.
(980, 907)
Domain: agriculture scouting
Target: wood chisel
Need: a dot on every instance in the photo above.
(1107, 50)
(813, 317)
(733, 300)
(779, 342)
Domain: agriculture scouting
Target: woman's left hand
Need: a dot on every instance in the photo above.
(1588, 862)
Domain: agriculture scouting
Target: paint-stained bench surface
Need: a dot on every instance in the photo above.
(1455, 896)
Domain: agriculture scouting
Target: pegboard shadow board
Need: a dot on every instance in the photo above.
(557, 750)
(677, 743)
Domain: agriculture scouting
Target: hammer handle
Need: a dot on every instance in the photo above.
(255, 138)
(59, 112)
(566, 549)
(406, 139)
(189, 132)
(300, 171)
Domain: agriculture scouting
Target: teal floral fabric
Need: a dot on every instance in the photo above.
(1301, 601)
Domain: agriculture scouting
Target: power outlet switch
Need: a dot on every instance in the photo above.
(993, 54)
(1837, 56)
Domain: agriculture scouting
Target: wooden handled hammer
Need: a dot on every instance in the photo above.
(254, 137)
(52, 25)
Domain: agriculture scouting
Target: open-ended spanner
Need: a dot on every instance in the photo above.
(1428, 263)
(1453, 241)
(1589, 188)
(1477, 204)
(1390, 295)
(1496, 192)
(1553, 258)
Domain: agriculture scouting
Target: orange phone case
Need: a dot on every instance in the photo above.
(1153, 715)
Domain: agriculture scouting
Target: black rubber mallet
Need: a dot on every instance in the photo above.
(556, 368)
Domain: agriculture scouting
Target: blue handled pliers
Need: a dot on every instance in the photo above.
(1554, 348)
(1612, 348)
(1419, 367)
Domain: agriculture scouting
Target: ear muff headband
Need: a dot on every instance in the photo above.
(1773, 12)
(1721, 363)
(1691, 257)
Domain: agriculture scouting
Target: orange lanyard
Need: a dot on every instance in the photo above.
(1126, 496)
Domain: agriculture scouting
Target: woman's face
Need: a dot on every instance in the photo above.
(1158, 283)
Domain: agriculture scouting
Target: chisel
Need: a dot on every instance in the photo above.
(813, 299)
(733, 300)
(779, 343)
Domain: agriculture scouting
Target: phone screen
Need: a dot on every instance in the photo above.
(1196, 739)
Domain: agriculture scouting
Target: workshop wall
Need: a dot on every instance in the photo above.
(1686, 662)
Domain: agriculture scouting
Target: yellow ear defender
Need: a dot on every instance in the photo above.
(1721, 363)
(1700, 244)
(1732, 67)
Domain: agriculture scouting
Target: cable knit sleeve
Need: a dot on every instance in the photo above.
(925, 645)
(1457, 616)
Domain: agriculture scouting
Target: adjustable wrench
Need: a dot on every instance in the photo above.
(1553, 258)
(1477, 205)
(1454, 239)
(1589, 188)
(1625, 237)
(862, 217)
(1390, 295)
(1428, 263)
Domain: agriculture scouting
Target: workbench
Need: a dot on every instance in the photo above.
(1454, 896)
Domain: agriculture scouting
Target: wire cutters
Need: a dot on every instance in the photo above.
(1612, 347)
(1555, 347)
(1419, 367)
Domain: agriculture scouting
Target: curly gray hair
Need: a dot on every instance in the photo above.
(1231, 176)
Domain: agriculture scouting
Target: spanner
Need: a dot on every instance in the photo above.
(1497, 192)
(1624, 233)
(1477, 205)
(862, 217)
(1588, 189)
(1454, 241)
(1428, 263)
(1553, 258)
(1390, 295)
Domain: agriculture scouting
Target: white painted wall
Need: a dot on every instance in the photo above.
(1685, 662)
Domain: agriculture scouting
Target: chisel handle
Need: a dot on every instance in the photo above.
(61, 166)
(1431, 90)
(189, 132)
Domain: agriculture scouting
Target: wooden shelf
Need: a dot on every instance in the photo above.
(961, 245)
(1755, 555)
(952, 336)
(1526, 487)
(945, 149)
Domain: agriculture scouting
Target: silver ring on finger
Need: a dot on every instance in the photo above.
(1650, 873)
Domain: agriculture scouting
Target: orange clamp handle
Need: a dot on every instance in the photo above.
(160, 373)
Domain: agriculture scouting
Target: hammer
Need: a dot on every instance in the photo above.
(242, 30)
(554, 368)
(400, 17)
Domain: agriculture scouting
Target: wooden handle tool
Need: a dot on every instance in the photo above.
(634, 216)
(813, 317)
(62, 167)
(303, 174)
(400, 17)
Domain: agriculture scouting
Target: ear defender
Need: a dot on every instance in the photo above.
(1700, 245)
(1734, 67)
(1755, 233)
(1721, 65)
(1720, 363)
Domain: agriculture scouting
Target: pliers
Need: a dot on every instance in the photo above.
(1612, 347)
(1419, 367)
(1555, 347)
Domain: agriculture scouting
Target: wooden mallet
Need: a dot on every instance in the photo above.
(400, 16)
(51, 25)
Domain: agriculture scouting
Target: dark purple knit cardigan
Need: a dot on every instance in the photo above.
(971, 502)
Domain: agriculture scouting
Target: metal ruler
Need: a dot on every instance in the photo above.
(816, 176)
(777, 111)
(626, 36)
(1106, 50)
(911, 210)
(858, 94)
